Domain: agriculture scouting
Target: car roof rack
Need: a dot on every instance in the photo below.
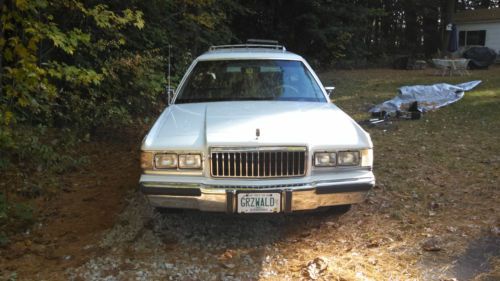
(252, 44)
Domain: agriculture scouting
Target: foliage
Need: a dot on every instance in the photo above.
(38, 148)
(13, 216)
(144, 78)
(130, 89)
(30, 81)
(323, 31)
(49, 48)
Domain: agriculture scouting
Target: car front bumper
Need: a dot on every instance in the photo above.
(219, 197)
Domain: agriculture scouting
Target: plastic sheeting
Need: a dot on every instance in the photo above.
(428, 97)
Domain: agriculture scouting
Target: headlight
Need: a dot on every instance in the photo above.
(166, 161)
(189, 161)
(367, 157)
(146, 160)
(348, 158)
(325, 159)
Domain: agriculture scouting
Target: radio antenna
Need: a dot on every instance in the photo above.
(169, 48)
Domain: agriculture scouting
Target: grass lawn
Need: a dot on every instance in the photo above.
(437, 178)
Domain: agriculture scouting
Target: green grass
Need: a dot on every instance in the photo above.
(458, 137)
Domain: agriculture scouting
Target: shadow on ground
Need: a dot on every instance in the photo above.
(186, 245)
(476, 260)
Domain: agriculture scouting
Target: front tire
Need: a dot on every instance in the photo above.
(341, 209)
(168, 211)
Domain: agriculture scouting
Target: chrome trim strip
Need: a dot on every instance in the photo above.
(223, 168)
(246, 164)
(258, 165)
(171, 184)
(288, 163)
(241, 160)
(281, 152)
(259, 187)
(253, 166)
(186, 172)
(307, 185)
(217, 164)
(276, 164)
(257, 148)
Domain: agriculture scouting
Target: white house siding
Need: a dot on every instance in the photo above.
(492, 32)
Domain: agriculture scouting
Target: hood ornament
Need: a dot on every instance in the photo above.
(257, 133)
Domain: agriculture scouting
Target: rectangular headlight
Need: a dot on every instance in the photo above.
(189, 161)
(348, 158)
(166, 161)
(325, 159)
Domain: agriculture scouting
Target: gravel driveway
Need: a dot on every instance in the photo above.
(189, 245)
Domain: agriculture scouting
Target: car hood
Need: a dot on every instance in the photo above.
(197, 126)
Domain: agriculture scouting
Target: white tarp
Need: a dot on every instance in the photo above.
(429, 97)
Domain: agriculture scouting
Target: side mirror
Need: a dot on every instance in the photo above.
(169, 91)
(329, 90)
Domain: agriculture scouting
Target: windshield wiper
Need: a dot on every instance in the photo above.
(221, 99)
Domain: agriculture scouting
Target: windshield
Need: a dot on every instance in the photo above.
(241, 80)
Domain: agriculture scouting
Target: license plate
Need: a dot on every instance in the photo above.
(259, 202)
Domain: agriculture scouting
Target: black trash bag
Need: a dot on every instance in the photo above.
(480, 57)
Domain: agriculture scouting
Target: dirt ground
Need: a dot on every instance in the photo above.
(434, 214)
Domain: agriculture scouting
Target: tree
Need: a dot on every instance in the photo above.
(39, 56)
(430, 26)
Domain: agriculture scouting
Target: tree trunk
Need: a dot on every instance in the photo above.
(387, 40)
(411, 30)
(431, 28)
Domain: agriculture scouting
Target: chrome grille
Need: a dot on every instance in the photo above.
(262, 162)
(259, 187)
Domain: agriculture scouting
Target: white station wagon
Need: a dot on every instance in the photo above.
(251, 129)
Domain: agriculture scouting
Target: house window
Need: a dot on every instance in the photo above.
(474, 37)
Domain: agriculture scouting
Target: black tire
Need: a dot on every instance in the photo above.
(324, 211)
(167, 211)
(341, 209)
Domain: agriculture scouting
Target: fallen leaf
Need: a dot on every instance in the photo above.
(495, 230)
(315, 267)
(431, 245)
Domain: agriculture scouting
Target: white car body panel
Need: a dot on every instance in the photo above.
(198, 127)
